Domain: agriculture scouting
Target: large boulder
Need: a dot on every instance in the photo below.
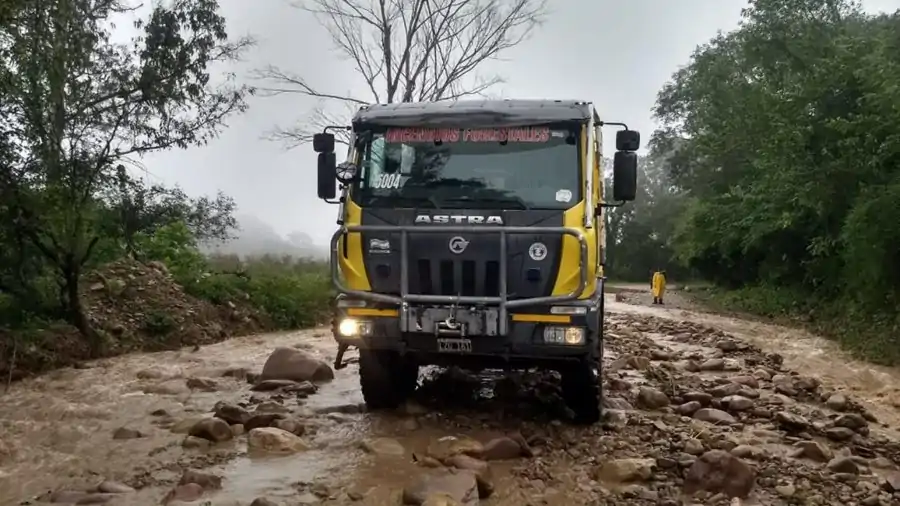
(295, 365)
(274, 440)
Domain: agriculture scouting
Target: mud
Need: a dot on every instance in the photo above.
(654, 446)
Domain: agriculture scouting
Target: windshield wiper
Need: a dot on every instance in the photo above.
(511, 199)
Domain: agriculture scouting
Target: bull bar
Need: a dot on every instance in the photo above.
(502, 301)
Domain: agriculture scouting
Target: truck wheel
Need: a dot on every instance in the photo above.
(386, 378)
(581, 389)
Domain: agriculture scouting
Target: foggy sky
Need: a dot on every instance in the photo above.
(626, 52)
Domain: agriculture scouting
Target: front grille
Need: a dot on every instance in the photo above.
(472, 278)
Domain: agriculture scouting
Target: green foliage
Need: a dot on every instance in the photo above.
(158, 324)
(292, 292)
(783, 138)
(74, 104)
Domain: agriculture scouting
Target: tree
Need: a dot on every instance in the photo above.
(407, 50)
(74, 104)
(639, 235)
(135, 208)
(785, 146)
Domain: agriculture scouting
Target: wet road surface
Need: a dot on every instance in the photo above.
(679, 385)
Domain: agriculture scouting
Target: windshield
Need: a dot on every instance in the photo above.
(516, 168)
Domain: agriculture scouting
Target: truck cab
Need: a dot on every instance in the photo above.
(471, 235)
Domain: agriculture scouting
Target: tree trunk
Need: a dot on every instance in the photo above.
(75, 310)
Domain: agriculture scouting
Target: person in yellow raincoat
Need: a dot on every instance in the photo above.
(658, 286)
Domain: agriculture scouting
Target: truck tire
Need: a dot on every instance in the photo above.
(582, 392)
(387, 379)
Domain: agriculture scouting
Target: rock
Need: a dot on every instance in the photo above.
(661, 355)
(274, 440)
(812, 450)
(504, 448)
(262, 501)
(762, 374)
(747, 381)
(126, 433)
(737, 403)
(688, 408)
(727, 345)
(726, 390)
(693, 447)
(468, 463)
(837, 402)
(212, 429)
(651, 398)
(448, 446)
(193, 442)
(715, 416)
(843, 465)
(202, 384)
(262, 420)
(851, 421)
(293, 426)
(271, 407)
(296, 365)
(207, 481)
(747, 452)
(839, 433)
(383, 446)
(635, 362)
(625, 470)
(479, 468)
(791, 421)
(284, 385)
(786, 490)
(892, 482)
(238, 429)
(440, 500)
(701, 397)
(460, 487)
(231, 413)
(713, 364)
(185, 493)
(114, 487)
(718, 471)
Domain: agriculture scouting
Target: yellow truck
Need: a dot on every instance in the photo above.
(470, 234)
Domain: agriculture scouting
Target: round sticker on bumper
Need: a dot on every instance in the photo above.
(537, 251)
(563, 196)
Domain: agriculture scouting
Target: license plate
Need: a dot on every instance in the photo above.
(454, 345)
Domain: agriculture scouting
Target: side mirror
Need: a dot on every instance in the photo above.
(327, 174)
(323, 143)
(624, 176)
(628, 140)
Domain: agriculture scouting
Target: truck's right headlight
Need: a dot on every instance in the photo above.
(564, 335)
(351, 327)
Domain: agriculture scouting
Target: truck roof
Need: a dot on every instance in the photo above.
(474, 113)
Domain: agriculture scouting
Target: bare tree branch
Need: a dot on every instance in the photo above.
(405, 50)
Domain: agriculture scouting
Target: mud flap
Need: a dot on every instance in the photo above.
(339, 359)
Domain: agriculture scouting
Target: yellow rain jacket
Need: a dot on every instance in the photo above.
(658, 284)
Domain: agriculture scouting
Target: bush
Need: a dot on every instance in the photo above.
(292, 292)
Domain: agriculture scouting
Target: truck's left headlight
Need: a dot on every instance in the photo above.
(351, 327)
(564, 335)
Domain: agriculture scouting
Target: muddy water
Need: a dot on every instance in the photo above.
(56, 431)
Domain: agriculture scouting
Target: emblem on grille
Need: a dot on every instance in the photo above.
(458, 244)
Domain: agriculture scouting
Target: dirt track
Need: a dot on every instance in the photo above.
(691, 398)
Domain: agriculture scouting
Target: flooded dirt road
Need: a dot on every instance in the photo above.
(699, 409)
